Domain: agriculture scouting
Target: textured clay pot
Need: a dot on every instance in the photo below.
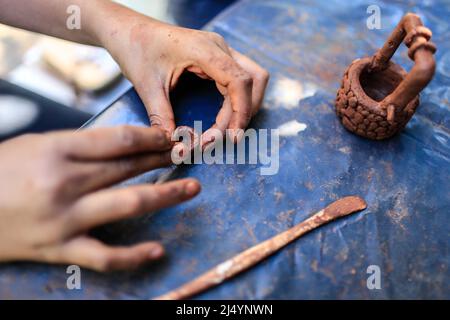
(377, 97)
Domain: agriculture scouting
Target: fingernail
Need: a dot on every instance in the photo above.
(156, 252)
(236, 135)
(207, 146)
(191, 188)
(164, 139)
(168, 135)
(208, 140)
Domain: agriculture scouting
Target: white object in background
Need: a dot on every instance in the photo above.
(291, 128)
(16, 113)
(287, 93)
(32, 76)
(87, 68)
(35, 79)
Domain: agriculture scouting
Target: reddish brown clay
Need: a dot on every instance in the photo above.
(377, 97)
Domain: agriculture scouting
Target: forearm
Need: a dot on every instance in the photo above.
(97, 18)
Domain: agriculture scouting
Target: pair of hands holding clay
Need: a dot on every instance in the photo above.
(54, 187)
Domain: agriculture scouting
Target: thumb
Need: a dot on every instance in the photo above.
(159, 109)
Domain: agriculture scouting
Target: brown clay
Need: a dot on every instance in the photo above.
(257, 253)
(377, 97)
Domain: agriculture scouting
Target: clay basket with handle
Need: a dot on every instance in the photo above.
(377, 97)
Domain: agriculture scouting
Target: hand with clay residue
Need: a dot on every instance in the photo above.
(55, 189)
(153, 55)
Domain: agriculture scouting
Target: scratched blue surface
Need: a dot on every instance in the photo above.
(306, 45)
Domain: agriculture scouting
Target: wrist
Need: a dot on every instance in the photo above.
(111, 27)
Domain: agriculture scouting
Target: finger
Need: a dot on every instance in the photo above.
(93, 254)
(107, 143)
(92, 176)
(224, 116)
(226, 72)
(115, 204)
(157, 102)
(222, 120)
(260, 78)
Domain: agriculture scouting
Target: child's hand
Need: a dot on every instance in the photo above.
(153, 55)
(54, 189)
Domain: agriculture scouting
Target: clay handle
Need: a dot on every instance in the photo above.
(421, 51)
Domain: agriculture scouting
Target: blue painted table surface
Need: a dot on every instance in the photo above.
(306, 45)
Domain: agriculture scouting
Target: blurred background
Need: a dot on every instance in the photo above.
(49, 84)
